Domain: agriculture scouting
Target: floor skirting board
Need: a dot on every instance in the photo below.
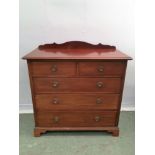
(26, 108)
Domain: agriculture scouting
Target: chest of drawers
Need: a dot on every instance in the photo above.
(76, 86)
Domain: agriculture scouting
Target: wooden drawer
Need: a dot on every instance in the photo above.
(53, 68)
(76, 101)
(76, 119)
(101, 68)
(48, 85)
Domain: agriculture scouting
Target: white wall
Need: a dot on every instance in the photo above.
(95, 21)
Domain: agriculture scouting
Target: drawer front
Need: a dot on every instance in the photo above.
(101, 68)
(76, 101)
(76, 119)
(48, 85)
(53, 68)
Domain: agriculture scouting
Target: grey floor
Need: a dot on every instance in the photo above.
(78, 143)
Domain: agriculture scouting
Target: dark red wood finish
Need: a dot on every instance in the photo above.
(76, 119)
(79, 101)
(76, 86)
(79, 50)
(70, 85)
(53, 69)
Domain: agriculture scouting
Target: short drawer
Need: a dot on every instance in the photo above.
(48, 85)
(76, 119)
(101, 68)
(53, 68)
(77, 101)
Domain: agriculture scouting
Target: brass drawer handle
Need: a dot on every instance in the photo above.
(55, 101)
(100, 69)
(56, 119)
(97, 118)
(55, 84)
(54, 68)
(99, 84)
(99, 101)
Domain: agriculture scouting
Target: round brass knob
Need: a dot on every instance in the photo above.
(55, 84)
(54, 68)
(99, 84)
(97, 118)
(55, 101)
(100, 69)
(99, 101)
(56, 119)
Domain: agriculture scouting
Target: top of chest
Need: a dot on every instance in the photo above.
(76, 50)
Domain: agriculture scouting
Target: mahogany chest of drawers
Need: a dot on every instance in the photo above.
(76, 86)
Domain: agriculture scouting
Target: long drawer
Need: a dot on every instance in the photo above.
(76, 119)
(76, 101)
(48, 85)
